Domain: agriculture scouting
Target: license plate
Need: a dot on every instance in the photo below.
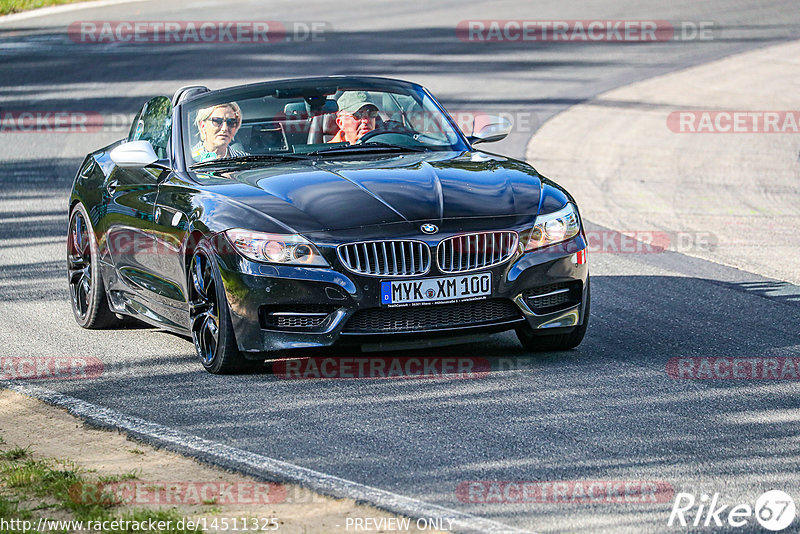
(451, 288)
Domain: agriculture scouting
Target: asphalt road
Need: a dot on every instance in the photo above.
(605, 411)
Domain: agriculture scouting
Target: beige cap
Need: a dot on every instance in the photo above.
(352, 101)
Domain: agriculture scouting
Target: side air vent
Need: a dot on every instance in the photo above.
(553, 297)
(297, 318)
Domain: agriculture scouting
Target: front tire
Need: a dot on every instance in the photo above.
(209, 316)
(86, 288)
(555, 342)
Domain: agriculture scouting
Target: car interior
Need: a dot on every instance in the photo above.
(299, 128)
(308, 123)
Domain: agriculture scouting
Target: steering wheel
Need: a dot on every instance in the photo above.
(389, 127)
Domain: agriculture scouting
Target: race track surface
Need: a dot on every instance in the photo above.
(608, 410)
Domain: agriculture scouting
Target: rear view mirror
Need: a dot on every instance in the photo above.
(489, 128)
(134, 154)
(321, 106)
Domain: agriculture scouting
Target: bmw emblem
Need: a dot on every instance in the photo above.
(429, 228)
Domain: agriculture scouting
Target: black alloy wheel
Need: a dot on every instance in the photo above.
(209, 317)
(86, 289)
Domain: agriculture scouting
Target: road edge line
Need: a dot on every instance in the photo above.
(257, 465)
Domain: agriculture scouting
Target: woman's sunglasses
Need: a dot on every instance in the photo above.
(232, 123)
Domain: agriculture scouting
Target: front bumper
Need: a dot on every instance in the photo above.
(275, 307)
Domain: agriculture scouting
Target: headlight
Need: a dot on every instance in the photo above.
(555, 227)
(288, 249)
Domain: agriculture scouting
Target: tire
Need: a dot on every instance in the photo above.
(87, 290)
(555, 342)
(209, 316)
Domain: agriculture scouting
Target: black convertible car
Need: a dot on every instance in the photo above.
(320, 211)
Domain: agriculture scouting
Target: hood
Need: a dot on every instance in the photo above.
(313, 196)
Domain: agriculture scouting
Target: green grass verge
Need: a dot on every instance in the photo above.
(61, 485)
(15, 6)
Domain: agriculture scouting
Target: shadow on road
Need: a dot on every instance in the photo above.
(608, 410)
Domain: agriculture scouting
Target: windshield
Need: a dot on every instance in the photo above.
(337, 119)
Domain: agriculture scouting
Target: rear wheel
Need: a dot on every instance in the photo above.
(86, 289)
(209, 315)
(554, 342)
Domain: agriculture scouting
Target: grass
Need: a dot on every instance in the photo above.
(132, 475)
(61, 485)
(9, 508)
(15, 6)
(14, 454)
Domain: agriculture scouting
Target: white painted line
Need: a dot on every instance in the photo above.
(64, 8)
(257, 465)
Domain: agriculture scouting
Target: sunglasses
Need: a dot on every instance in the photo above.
(218, 121)
(365, 114)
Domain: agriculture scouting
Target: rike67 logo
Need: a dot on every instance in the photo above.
(774, 511)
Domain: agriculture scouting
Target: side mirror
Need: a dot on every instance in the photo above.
(489, 128)
(134, 154)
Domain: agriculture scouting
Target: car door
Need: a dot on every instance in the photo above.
(131, 199)
(174, 208)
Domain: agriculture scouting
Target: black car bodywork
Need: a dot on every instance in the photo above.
(145, 225)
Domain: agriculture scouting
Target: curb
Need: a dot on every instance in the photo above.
(257, 465)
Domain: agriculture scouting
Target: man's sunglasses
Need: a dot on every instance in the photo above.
(232, 123)
(365, 114)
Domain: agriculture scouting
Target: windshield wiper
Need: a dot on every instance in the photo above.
(278, 156)
(369, 146)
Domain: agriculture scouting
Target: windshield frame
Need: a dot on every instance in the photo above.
(299, 87)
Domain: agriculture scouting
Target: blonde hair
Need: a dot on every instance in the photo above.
(205, 113)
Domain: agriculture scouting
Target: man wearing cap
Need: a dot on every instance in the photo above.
(356, 116)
